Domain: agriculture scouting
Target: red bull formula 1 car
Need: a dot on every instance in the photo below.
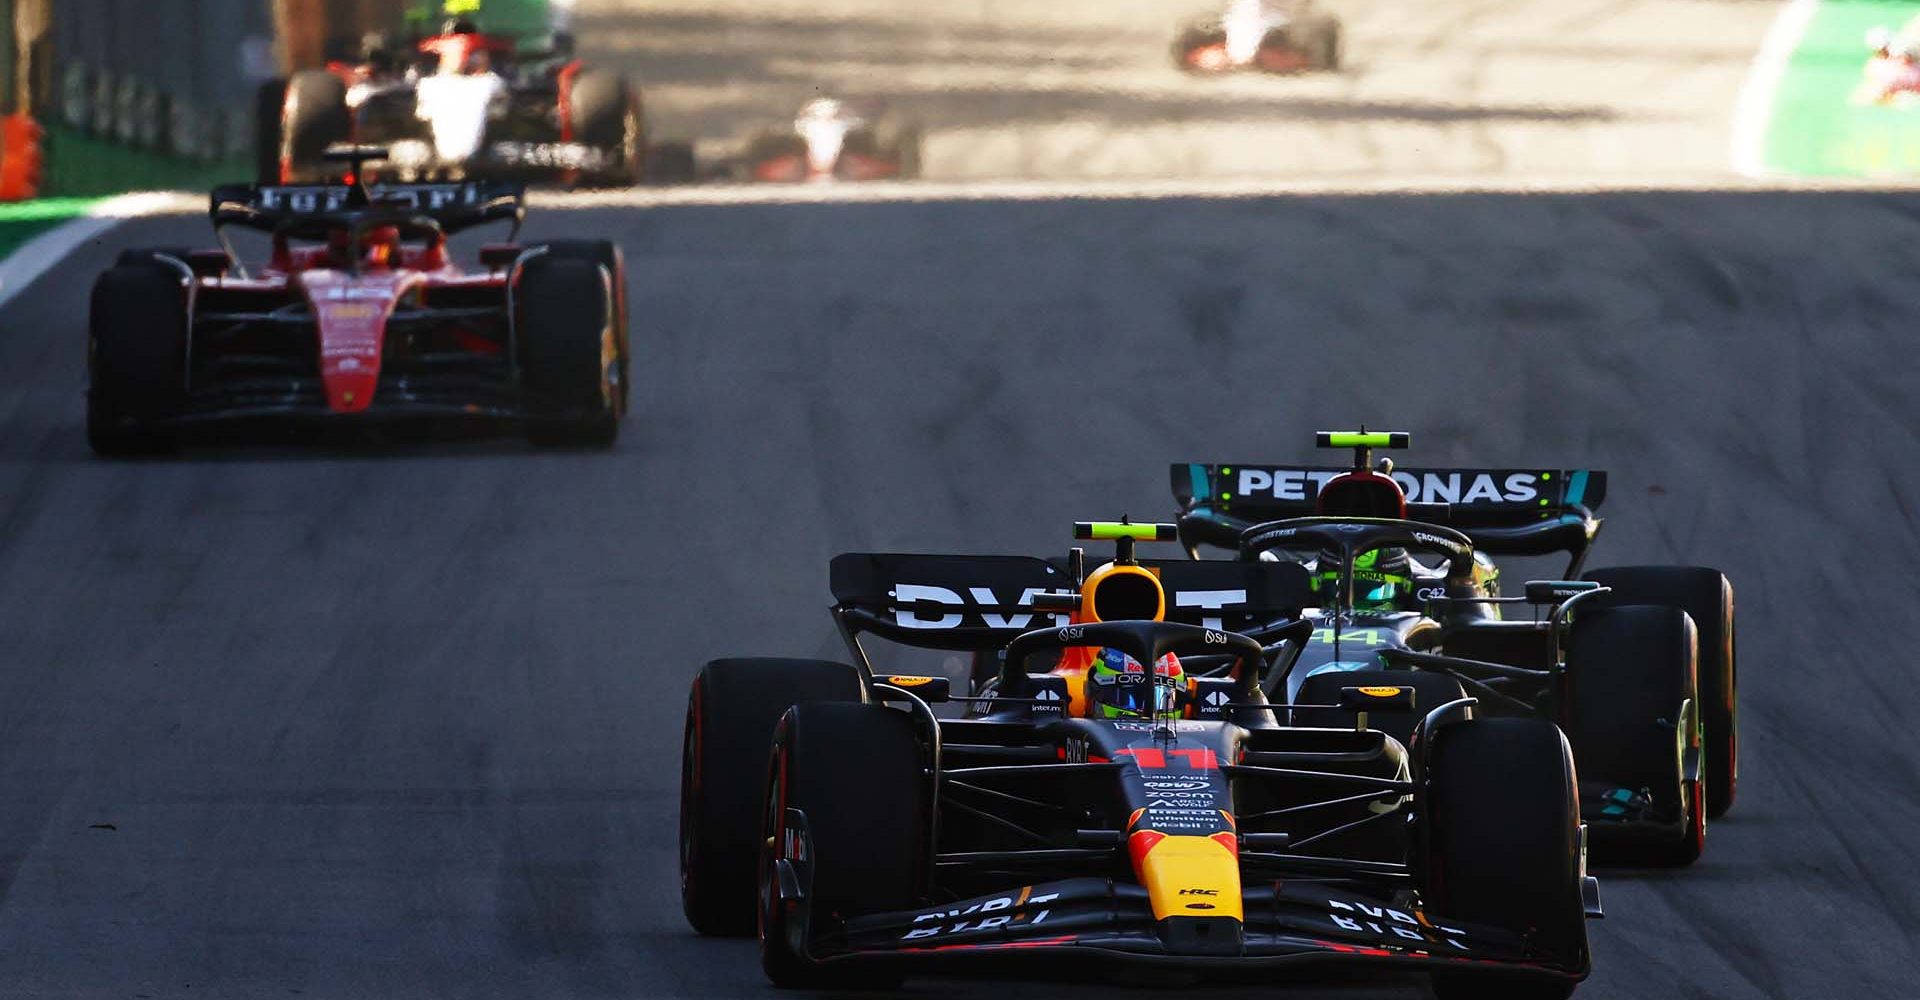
(1636, 663)
(463, 105)
(1270, 36)
(359, 314)
(1162, 818)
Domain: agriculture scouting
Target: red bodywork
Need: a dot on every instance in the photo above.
(353, 302)
(1270, 59)
(798, 168)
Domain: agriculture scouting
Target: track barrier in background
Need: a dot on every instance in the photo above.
(22, 157)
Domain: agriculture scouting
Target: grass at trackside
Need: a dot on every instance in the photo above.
(81, 170)
(22, 221)
(1814, 130)
(79, 165)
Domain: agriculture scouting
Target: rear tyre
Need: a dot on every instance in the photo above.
(1707, 596)
(1330, 46)
(731, 714)
(136, 358)
(671, 163)
(1502, 845)
(906, 142)
(865, 839)
(314, 117)
(570, 363)
(606, 116)
(1632, 724)
(269, 103)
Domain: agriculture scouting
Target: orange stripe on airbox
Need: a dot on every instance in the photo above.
(1187, 876)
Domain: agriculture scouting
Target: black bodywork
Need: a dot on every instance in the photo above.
(1038, 815)
(1452, 631)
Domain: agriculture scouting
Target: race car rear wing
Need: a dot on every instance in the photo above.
(1522, 512)
(967, 602)
(453, 207)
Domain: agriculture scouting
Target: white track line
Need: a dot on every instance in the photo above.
(1753, 112)
(38, 255)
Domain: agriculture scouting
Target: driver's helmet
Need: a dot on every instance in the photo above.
(379, 245)
(1119, 687)
(460, 26)
(1382, 580)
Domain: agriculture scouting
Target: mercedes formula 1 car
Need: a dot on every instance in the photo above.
(1637, 663)
(1271, 36)
(1117, 815)
(462, 105)
(835, 140)
(359, 314)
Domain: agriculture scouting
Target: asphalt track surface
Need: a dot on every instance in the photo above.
(1088, 89)
(369, 720)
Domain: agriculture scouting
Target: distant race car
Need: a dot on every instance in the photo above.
(358, 315)
(1100, 807)
(1636, 663)
(1272, 36)
(465, 105)
(1892, 72)
(835, 140)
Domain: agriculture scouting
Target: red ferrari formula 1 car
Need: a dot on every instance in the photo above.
(1272, 36)
(359, 314)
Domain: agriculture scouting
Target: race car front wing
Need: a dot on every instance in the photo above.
(1100, 921)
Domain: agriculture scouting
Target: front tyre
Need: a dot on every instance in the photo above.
(846, 811)
(570, 363)
(731, 713)
(1501, 825)
(136, 358)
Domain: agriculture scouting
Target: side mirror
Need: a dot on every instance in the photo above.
(1556, 591)
(932, 690)
(1057, 600)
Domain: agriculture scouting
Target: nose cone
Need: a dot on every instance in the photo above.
(350, 315)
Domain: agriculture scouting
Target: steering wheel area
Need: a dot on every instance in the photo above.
(1145, 641)
(1353, 536)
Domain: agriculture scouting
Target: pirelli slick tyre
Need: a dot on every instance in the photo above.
(1328, 51)
(313, 117)
(605, 114)
(606, 253)
(1633, 725)
(146, 256)
(136, 358)
(1501, 846)
(847, 807)
(1706, 595)
(731, 713)
(269, 103)
(569, 349)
